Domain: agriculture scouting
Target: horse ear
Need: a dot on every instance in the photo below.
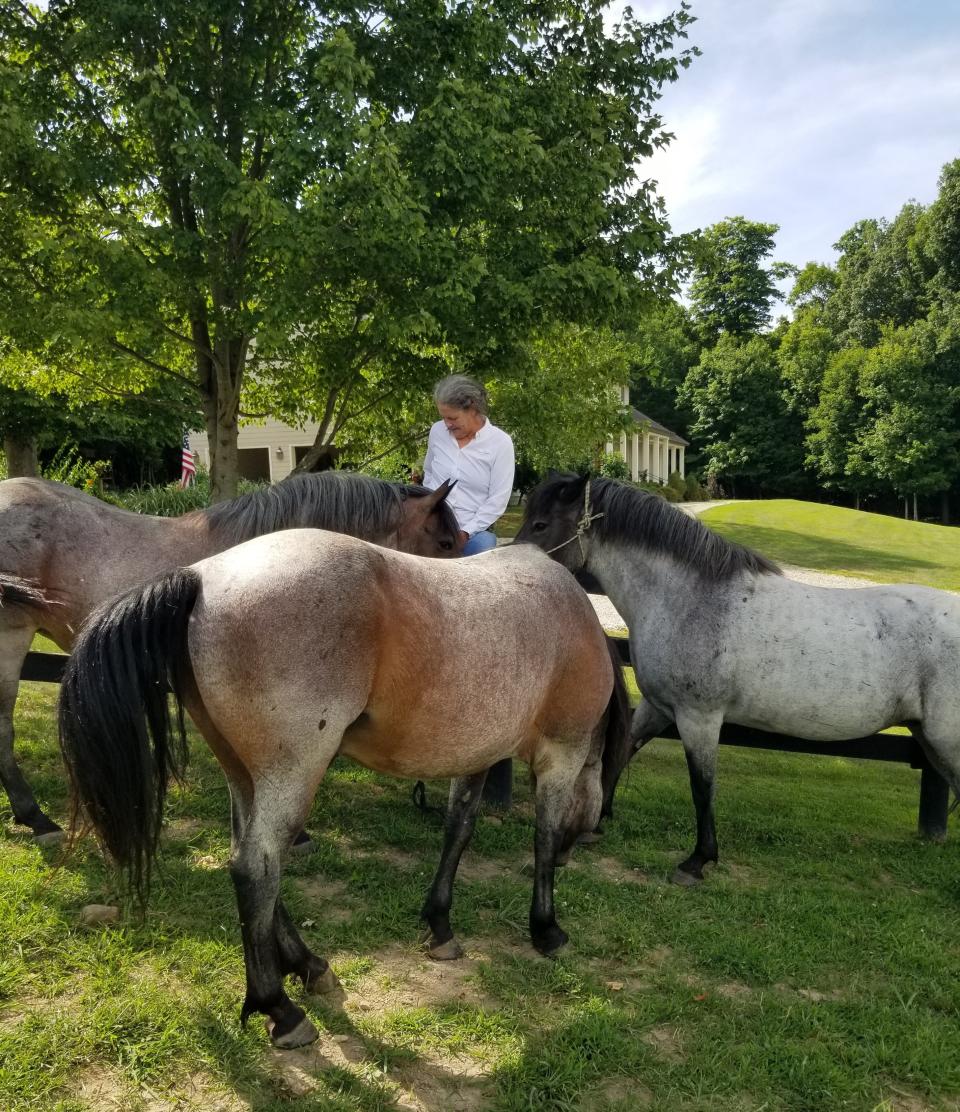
(434, 498)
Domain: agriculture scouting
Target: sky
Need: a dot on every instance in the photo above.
(809, 114)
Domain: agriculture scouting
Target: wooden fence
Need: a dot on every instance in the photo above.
(900, 748)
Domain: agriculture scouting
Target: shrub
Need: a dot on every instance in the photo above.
(70, 468)
(614, 467)
(693, 489)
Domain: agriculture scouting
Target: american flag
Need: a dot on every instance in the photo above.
(188, 465)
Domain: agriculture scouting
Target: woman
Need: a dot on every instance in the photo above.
(466, 448)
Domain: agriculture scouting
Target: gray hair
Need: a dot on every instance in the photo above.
(461, 392)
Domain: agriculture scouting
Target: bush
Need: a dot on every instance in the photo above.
(614, 467)
(693, 489)
(70, 468)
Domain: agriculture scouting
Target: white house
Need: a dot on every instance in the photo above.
(267, 452)
(651, 450)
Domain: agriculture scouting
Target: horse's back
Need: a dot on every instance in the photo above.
(831, 663)
(424, 660)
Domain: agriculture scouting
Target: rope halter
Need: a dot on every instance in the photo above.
(583, 525)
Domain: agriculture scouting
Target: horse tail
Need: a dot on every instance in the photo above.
(119, 741)
(17, 591)
(618, 745)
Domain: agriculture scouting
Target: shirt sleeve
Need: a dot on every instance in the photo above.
(431, 480)
(498, 492)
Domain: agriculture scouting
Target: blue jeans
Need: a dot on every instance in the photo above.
(479, 542)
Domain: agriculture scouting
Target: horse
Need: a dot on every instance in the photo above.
(718, 634)
(295, 647)
(74, 551)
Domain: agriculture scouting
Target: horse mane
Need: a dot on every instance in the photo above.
(342, 501)
(639, 517)
(631, 514)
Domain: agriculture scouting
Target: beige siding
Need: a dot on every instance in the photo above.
(279, 439)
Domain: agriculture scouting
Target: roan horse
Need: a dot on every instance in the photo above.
(75, 551)
(717, 634)
(294, 647)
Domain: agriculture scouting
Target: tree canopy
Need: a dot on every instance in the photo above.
(322, 201)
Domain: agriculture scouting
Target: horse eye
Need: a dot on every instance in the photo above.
(539, 526)
(446, 545)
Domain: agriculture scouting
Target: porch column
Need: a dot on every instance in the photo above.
(623, 446)
(664, 464)
(683, 471)
(635, 458)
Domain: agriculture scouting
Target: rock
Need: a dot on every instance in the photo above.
(98, 915)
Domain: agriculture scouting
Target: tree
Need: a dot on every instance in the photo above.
(732, 291)
(742, 422)
(665, 346)
(838, 424)
(214, 190)
(912, 384)
(567, 402)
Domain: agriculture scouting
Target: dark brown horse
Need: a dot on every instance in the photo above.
(75, 551)
(294, 647)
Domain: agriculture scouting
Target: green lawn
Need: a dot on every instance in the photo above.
(845, 542)
(818, 967)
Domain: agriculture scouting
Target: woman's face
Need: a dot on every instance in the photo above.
(460, 422)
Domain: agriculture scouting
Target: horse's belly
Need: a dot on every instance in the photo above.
(421, 751)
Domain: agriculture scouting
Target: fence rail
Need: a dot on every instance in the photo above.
(899, 748)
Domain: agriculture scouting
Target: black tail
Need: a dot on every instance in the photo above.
(618, 745)
(16, 591)
(119, 743)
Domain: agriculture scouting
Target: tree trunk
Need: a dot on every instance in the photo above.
(856, 500)
(915, 518)
(21, 457)
(221, 410)
(945, 507)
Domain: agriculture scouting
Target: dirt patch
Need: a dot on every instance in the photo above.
(100, 1087)
(814, 995)
(432, 1084)
(656, 958)
(456, 1083)
(198, 1093)
(610, 869)
(390, 855)
(618, 1092)
(407, 978)
(743, 874)
(474, 867)
(734, 990)
(898, 1100)
(665, 1042)
(329, 899)
(183, 829)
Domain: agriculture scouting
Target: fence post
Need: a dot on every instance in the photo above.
(934, 802)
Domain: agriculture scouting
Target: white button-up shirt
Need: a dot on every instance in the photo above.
(483, 470)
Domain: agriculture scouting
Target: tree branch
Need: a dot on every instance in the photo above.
(420, 434)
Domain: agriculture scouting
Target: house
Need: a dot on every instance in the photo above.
(267, 452)
(651, 451)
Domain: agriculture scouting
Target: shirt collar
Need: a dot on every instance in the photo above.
(480, 434)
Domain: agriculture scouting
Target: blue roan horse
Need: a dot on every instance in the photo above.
(717, 634)
(297, 646)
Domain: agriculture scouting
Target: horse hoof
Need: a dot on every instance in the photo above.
(451, 950)
(302, 1035)
(589, 838)
(326, 982)
(551, 943)
(50, 838)
(303, 844)
(685, 879)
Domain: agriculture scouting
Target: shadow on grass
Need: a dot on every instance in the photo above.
(824, 555)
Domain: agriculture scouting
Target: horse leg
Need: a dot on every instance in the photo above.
(647, 723)
(271, 946)
(557, 768)
(465, 795)
(700, 734)
(15, 640)
(938, 737)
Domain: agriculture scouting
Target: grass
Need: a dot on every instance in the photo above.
(842, 541)
(816, 969)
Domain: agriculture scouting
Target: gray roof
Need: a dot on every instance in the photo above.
(655, 426)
